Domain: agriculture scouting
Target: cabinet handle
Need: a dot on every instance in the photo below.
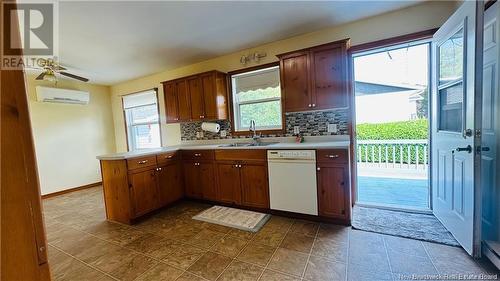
(239, 166)
(159, 169)
(168, 157)
(197, 154)
(318, 169)
(309, 105)
(142, 162)
(333, 156)
(313, 105)
(202, 116)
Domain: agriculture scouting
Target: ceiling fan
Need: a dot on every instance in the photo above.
(51, 67)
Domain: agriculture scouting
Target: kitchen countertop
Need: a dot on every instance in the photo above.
(314, 143)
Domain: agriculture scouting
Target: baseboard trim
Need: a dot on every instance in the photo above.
(49, 195)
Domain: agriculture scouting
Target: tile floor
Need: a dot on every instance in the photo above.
(172, 246)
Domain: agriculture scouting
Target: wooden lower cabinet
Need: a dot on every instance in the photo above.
(170, 184)
(333, 190)
(199, 180)
(243, 183)
(254, 185)
(228, 188)
(143, 191)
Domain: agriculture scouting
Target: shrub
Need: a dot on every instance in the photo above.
(409, 130)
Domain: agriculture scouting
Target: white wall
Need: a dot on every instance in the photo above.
(69, 137)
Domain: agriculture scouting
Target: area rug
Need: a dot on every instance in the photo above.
(425, 227)
(231, 217)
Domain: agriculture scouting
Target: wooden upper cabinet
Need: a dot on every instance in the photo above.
(171, 106)
(295, 81)
(315, 78)
(329, 72)
(183, 100)
(197, 97)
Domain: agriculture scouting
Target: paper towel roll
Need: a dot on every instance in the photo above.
(210, 127)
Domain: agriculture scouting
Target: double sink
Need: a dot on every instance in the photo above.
(246, 144)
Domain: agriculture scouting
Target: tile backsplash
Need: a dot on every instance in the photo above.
(311, 123)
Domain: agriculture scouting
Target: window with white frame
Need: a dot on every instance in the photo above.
(142, 120)
(257, 96)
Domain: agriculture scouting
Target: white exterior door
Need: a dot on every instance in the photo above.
(456, 91)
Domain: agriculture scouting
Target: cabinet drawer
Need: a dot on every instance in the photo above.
(166, 157)
(241, 154)
(332, 155)
(197, 155)
(141, 162)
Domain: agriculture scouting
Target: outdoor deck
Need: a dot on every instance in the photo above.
(395, 192)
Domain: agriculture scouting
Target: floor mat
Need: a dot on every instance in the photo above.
(240, 219)
(424, 227)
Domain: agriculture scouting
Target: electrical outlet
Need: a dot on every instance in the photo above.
(296, 130)
(332, 128)
(223, 133)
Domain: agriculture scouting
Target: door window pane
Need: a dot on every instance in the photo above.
(451, 108)
(451, 58)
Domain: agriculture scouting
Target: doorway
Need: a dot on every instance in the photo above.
(391, 87)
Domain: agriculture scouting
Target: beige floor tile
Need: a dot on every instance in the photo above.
(298, 242)
(330, 249)
(229, 246)
(113, 260)
(240, 271)
(206, 238)
(160, 272)
(133, 267)
(186, 276)
(404, 263)
(405, 246)
(337, 233)
(183, 255)
(210, 265)
(319, 269)
(359, 273)
(271, 237)
(241, 234)
(305, 227)
(288, 261)
(270, 275)
(152, 245)
(256, 253)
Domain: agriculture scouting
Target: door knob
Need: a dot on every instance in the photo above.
(467, 133)
(467, 148)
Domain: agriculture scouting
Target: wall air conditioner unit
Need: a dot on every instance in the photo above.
(47, 94)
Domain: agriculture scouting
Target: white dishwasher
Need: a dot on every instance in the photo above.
(292, 181)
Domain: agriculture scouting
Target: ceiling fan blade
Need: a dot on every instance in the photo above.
(40, 77)
(74, 76)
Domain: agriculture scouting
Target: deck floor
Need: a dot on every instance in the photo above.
(394, 192)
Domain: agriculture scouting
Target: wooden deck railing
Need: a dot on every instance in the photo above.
(405, 154)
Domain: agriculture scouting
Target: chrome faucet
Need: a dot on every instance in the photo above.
(252, 129)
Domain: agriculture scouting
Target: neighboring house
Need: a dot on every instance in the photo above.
(382, 103)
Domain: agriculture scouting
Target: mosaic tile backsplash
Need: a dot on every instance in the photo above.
(311, 123)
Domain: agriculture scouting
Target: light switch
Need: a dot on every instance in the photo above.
(296, 130)
(332, 128)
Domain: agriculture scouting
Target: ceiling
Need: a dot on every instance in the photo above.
(111, 42)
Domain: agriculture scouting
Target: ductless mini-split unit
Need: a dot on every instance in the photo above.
(56, 95)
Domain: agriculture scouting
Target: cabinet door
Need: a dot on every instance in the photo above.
(207, 176)
(295, 79)
(144, 192)
(254, 185)
(196, 95)
(170, 183)
(183, 99)
(209, 95)
(192, 180)
(171, 106)
(329, 77)
(333, 190)
(228, 189)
